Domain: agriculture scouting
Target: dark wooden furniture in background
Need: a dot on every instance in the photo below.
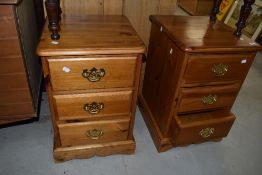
(196, 7)
(92, 70)
(244, 13)
(195, 69)
(40, 17)
(20, 71)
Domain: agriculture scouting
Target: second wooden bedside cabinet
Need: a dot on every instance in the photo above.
(195, 69)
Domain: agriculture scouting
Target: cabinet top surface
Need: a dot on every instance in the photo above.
(94, 34)
(199, 34)
(3, 2)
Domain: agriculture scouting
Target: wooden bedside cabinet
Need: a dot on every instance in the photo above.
(92, 74)
(195, 69)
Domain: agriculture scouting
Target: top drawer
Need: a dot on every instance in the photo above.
(216, 69)
(92, 73)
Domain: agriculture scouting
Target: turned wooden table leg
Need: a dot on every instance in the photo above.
(53, 14)
(215, 10)
(244, 13)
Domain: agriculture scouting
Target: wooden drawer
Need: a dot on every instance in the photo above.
(6, 10)
(211, 69)
(13, 81)
(93, 132)
(7, 22)
(15, 96)
(16, 109)
(205, 98)
(80, 73)
(200, 127)
(11, 47)
(93, 105)
(11, 65)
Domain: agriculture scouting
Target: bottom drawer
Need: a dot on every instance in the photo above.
(93, 132)
(200, 127)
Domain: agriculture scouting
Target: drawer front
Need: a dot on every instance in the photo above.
(7, 22)
(199, 128)
(16, 109)
(13, 81)
(15, 96)
(205, 98)
(92, 73)
(210, 69)
(11, 65)
(93, 105)
(11, 47)
(93, 132)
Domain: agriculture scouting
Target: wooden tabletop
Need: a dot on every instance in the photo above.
(94, 34)
(198, 34)
(4, 2)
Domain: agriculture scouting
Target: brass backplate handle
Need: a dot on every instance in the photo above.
(94, 107)
(94, 134)
(220, 69)
(206, 132)
(209, 100)
(93, 75)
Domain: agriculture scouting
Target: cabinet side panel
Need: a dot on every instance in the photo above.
(154, 68)
(27, 29)
(170, 80)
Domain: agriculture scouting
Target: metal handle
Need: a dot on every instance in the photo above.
(94, 134)
(94, 107)
(93, 75)
(209, 100)
(220, 69)
(206, 132)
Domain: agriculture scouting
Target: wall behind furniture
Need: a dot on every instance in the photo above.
(137, 11)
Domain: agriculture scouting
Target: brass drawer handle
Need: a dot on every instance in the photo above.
(93, 75)
(220, 69)
(209, 100)
(206, 132)
(94, 134)
(94, 108)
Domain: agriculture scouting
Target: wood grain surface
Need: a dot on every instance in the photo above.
(186, 130)
(72, 106)
(92, 34)
(76, 133)
(119, 72)
(191, 99)
(198, 34)
(62, 154)
(199, 69)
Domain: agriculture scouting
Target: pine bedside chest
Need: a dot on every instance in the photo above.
(195, 69)
(92, 75)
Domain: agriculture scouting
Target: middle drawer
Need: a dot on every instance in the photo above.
(205, 98)
(102, 104)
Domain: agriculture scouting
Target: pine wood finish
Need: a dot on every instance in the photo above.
(73, 106)
(111, 65)
(20, 72)
(111, 45)
(77, 133)
(195, 69)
